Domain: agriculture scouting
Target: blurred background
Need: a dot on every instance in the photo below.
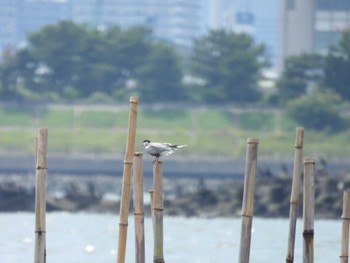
(201, 69)
(208, 73)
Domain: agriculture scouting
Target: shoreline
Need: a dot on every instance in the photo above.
(187, 197)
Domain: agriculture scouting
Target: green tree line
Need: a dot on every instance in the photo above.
(315, 88)
(70, 62)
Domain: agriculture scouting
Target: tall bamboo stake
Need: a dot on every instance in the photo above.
(151, 195)
(344, 252)
(248, 199)
(308, 210)
(127, 173)
(158, 207)
(294, 199)
(40, 197)
(139, 213)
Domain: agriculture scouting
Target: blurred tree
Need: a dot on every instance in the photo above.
(317, 111)
(112, 57)
(337, 67)
(59, 53)
(300, 75)
(229, 64)
(160, 76)
(15, 73)
(88, 61)
(72, 61)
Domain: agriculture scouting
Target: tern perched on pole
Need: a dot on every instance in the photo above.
(159, 149)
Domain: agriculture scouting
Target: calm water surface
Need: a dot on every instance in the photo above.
(89, 238)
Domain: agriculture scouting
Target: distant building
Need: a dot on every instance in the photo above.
(20, 17)
(254, 17)
(175, 21)
(33, 15)
(9, 25)
(310, 26)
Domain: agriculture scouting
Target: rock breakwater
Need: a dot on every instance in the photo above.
(190, 197)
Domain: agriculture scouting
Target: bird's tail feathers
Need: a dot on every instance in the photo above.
(180, 146)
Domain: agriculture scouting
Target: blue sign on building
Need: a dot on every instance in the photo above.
(245, 18)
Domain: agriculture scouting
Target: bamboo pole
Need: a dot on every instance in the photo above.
(344, 252)
(127, 173)
(248, 199)
(151, 195)
(294, 199)
(308, 210)
(139, 211)
(40, 196)
(158, 207)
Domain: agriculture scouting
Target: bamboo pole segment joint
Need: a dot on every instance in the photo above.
(128, 163)
(158, 208)
(308, 233)
(40, 232)
(246, 215)
(294, 202)
(344, 257)
(298, 146)
(290, 260)
(138, 214)
(345, 218)
(123, 224)
(158, 261)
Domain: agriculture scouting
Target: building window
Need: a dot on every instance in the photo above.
(332, 5)
(290, 4)
(325, 39)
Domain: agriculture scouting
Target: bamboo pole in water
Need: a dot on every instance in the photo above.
(158, 207)
(294, 199)
(344, 252)
(308, 210)
(139, 211)
(248, 199)
(151, 195)
(127, 173)
(40, 196)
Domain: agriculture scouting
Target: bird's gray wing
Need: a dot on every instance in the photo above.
(156, 148)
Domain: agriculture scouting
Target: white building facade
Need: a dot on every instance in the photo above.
(308, 26)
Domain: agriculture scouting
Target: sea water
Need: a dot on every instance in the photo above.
(93, 238)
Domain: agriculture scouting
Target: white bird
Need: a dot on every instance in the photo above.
(158, 149)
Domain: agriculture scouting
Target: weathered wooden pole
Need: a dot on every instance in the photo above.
(158, 207)
(248, 199)
(294, 199)
(151, 196)
(138, 209)
(127, 173)
(40, 196)
(309, 210)
(344, 252)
